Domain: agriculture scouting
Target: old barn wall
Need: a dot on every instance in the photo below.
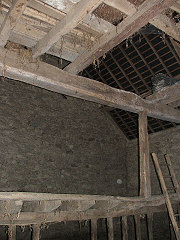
(50, 143)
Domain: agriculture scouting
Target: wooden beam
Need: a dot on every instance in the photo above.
(11, 20)
(110, 228)
(12, 232)
(138, 226)
(124, 228)
(130, 25)
(124, 6)
(167, 25)
(176, 7)
(145, 182)
(93, 229)
(167, 95)
(51, 78)
(36, 232)
(77, 13)
(150, 225)
(136, 206)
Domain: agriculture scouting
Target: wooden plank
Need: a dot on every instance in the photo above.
(93, 229)
(141, 206)
(145, 182)
(166, 196)
(12, 232)
(11, 20)
(167, 95)
(51, 78)
(176, 7)
(36, 232)
(150, 225)
(167, 25)
(110, 228)
(70, 21)
(130, 25)
(124, 228)
(124, 6)
(138, 226)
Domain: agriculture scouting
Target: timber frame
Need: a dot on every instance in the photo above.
(22, 64)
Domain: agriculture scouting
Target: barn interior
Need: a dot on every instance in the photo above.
(89, 106)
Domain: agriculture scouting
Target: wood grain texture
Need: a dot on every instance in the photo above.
(147, 11)
(51, 78)
(11, 20)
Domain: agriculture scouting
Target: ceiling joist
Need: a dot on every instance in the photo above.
(78, 12)
(51, 78)
(147, 11)
(11, 20)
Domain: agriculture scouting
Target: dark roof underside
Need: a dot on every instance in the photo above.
(130, 66)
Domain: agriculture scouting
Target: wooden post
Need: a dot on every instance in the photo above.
(124, 228)
(12, 232)
(110, 228)
(166, 196)
(145, 183)
(36, 232)
(93, 229)
(138, 226)
(150, 225)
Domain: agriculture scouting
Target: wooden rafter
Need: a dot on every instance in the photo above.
(167, 95)
(11, 20)
(124, 6)
(167, 25)
(78, 12)
(54, 79)
(130, 25)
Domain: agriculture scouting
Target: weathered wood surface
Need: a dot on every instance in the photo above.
(78, 12)
(12, 232)
(124, 6)
(124, 228)
(167, 25)
(166, 196)
(20, 67)
(150, 225)
(11, 20)
(138, 206)
(36, 232)
(93, 229)
(147, 11)
(167, 95)
(138, 226)
(110, 228)
(145, 181)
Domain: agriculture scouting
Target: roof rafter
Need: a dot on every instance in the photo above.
(77, 13)
(11, 20)
(51, 78)
(167, 25)
(166, 95)
(147, 11)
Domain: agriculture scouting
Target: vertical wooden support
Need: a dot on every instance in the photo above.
(124, 228)
(12, 232)
(110, 228)
(138, 226)
(36, 232)
(93, 229)
(150, 225)
(145, 183)
(166, 196)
